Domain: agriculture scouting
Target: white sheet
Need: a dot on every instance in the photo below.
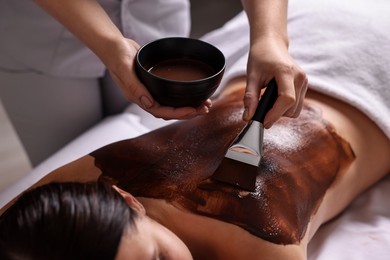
(362, 232)
(112, 129)
(133, 122)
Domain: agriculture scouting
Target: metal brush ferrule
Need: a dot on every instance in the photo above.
(248, 147)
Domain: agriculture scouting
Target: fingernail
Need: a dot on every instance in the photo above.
(205, 110)
(146, 102)
(268, 125)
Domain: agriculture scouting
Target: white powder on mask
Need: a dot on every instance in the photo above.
(284, 139)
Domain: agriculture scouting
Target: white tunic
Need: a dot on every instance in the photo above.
(31, 40)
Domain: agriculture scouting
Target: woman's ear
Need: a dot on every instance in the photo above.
(131, 200)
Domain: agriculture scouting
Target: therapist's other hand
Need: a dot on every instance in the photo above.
(269, 58)
(121, 66)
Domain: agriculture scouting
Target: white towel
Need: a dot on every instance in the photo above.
(343, 46)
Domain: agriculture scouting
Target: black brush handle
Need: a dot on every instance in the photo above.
(266, 102)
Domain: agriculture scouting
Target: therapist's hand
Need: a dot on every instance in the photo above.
(122, 69)
(269, 58)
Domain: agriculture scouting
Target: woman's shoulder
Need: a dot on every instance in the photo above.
(209, 238)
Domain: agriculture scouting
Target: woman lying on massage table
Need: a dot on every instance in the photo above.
(312, 168)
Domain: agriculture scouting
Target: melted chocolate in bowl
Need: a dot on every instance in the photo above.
(180, 72)
(302, 158)
(182, 69)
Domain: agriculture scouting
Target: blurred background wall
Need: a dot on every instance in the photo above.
(211, 14)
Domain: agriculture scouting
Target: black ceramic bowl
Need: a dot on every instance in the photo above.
(180, 72)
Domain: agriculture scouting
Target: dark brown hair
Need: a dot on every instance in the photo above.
(65, 221)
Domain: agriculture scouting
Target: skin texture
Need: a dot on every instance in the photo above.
(163, 156)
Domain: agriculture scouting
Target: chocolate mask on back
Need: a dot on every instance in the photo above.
(302, 157)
